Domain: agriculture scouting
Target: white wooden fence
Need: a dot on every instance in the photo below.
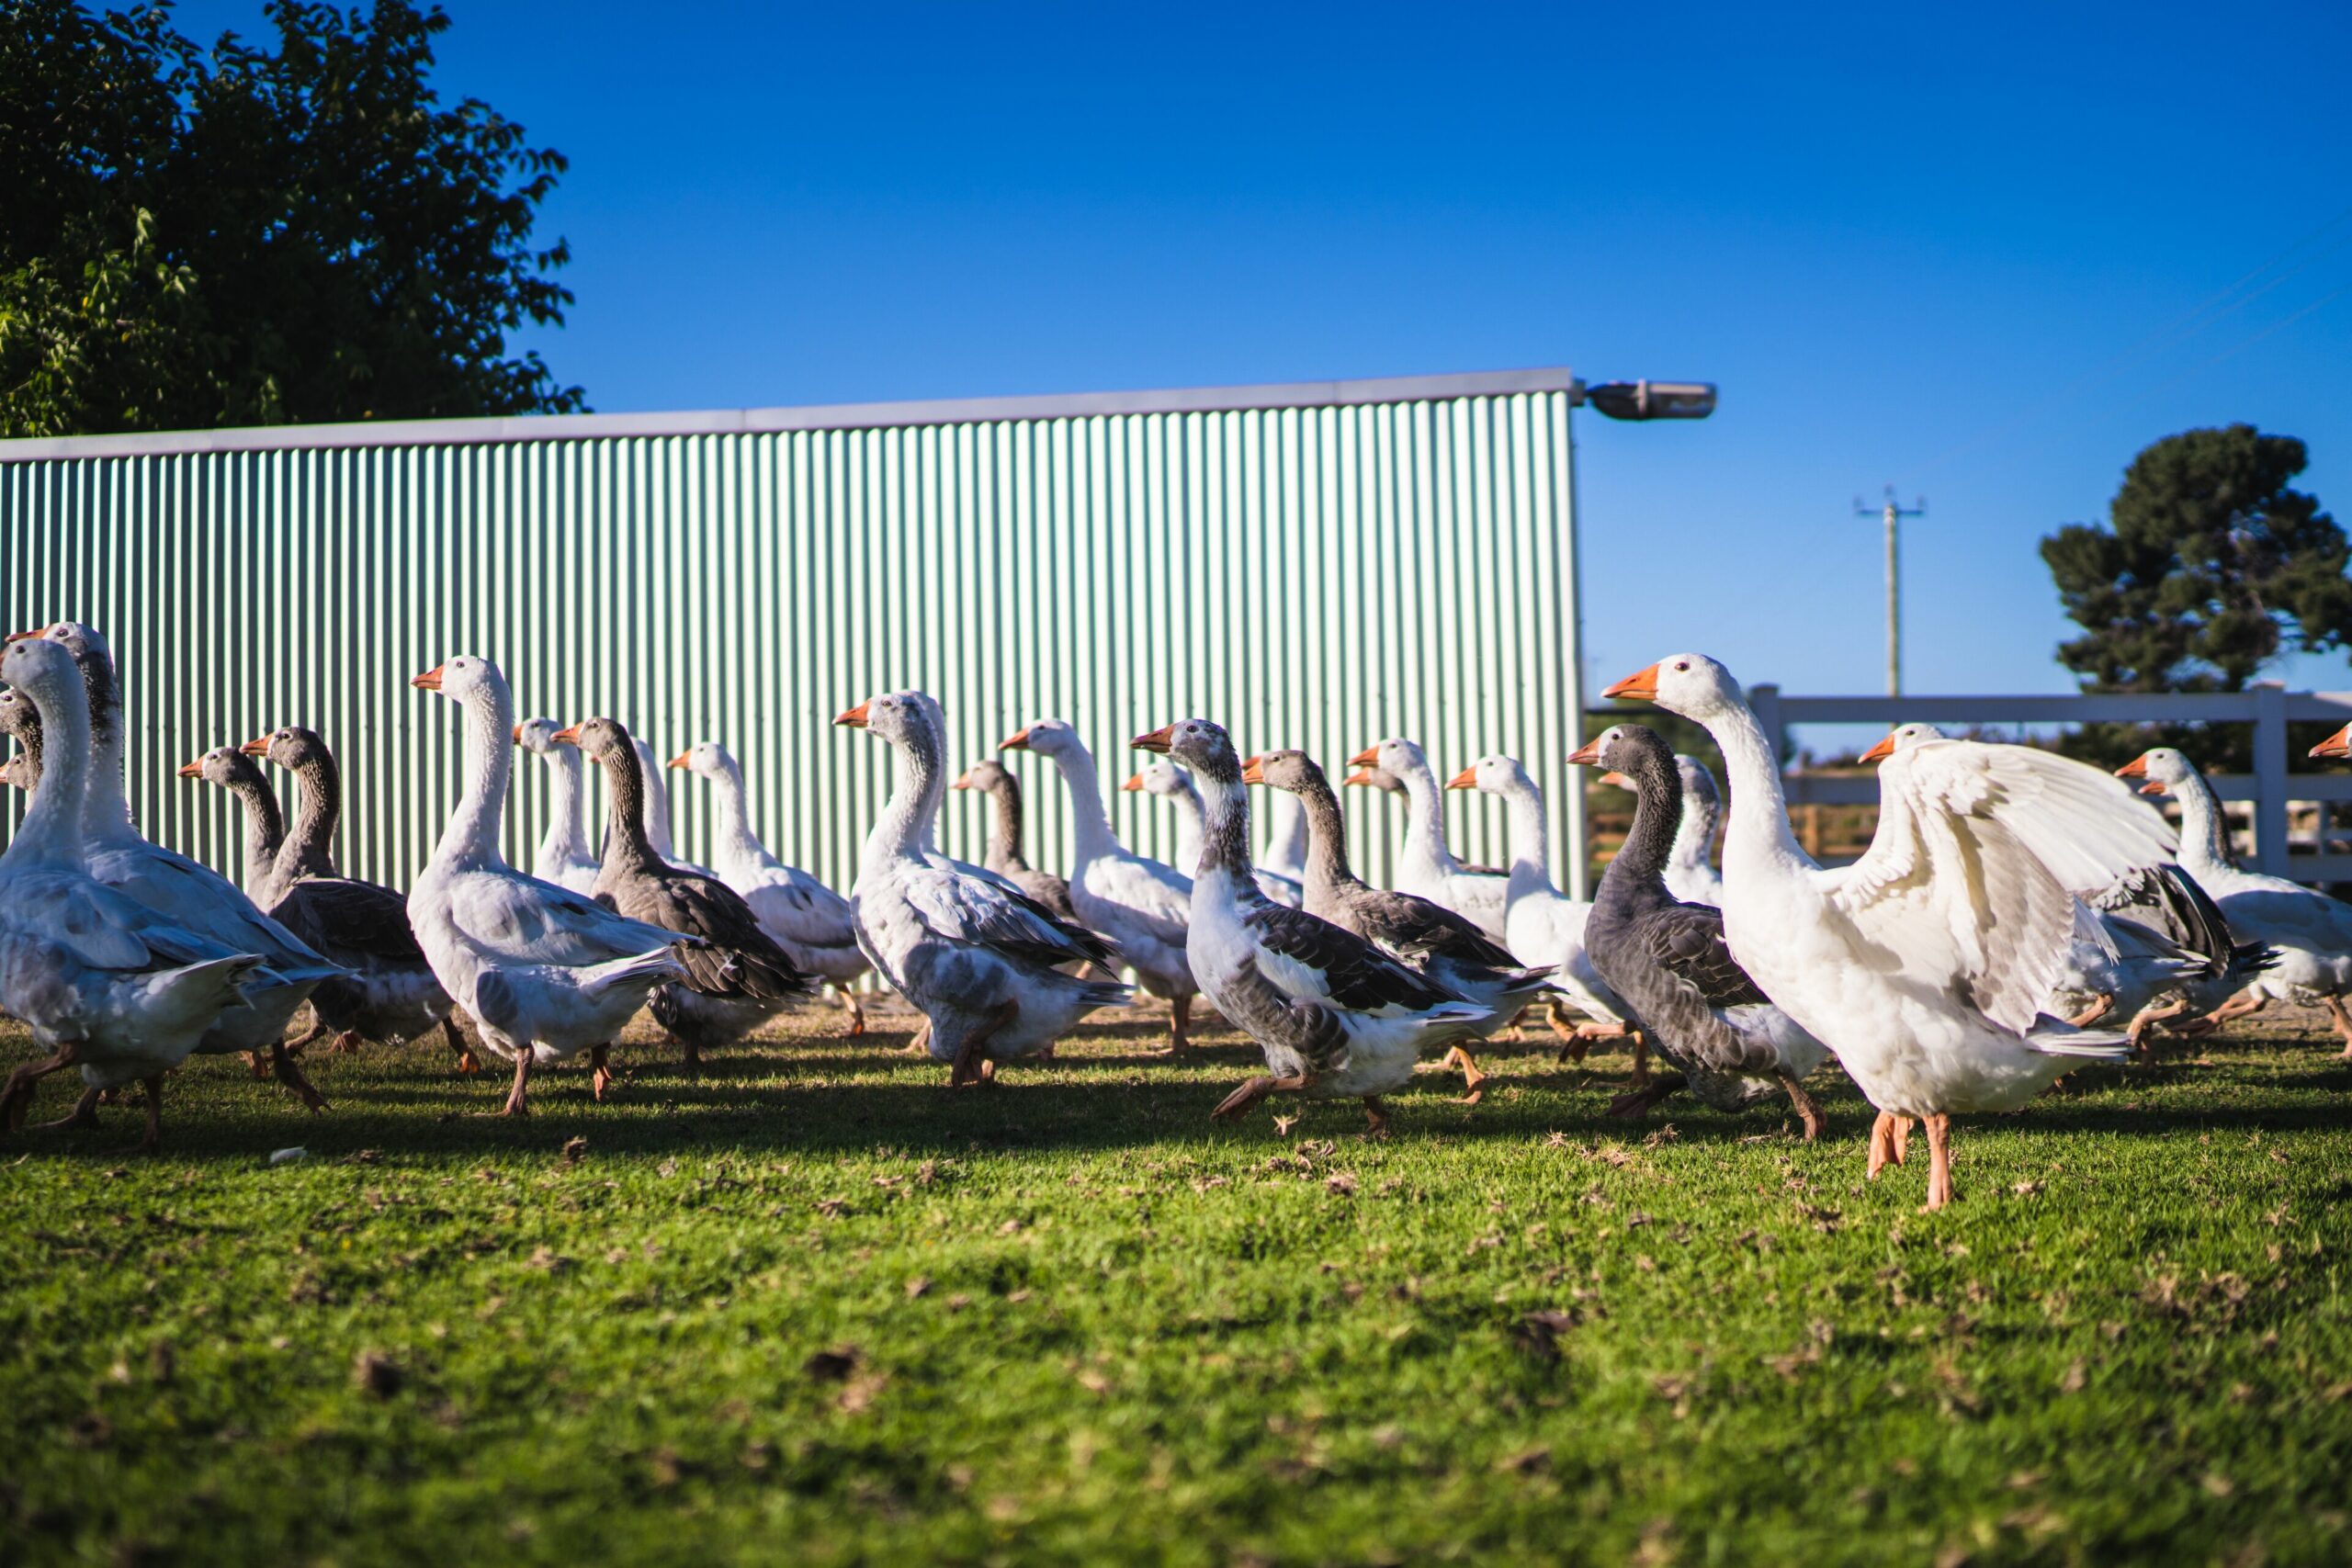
(2268, 707)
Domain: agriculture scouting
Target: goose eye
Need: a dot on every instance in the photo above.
(1682, 664)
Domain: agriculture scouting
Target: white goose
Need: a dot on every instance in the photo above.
(105, 984)
(1334, 1015)
(1175, 785)
(1140, 903)
(562, 856)
(192, 897)
(1925, 963)
(1426, 868)
(811, 922)
(1286, 855)
(1542, 925)
(2311, 932)
(975, 955)
(546, 973)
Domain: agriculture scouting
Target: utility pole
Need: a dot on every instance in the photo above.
(1894, 514)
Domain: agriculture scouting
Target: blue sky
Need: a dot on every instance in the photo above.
(1962, 249)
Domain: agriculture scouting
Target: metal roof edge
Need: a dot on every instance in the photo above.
(829, 417)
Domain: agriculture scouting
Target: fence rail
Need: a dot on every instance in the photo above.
(2268, 707)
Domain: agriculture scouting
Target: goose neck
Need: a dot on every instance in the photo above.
(735, 841)
(1756, 828)
(264, 826)
(488, 759)
(50, 834)
(565, 840)
(1327, 840)
(627, 842)
(309, 849)
(1530, 837)
(2204, 835)
(1090, 822)
(1658, 820)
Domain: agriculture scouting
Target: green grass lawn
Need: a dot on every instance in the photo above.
(813, 1307)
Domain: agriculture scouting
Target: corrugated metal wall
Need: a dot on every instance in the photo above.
(1311, 576)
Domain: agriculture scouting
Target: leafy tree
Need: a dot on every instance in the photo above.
(2210, 567)
(194, 238)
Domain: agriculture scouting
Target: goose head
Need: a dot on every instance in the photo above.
(988, 777)
(1163, 779)
(1380, 778)
(38, 667)
(705, 759)
(291, 747)
(601, 739)
(2165, 769)
(1492, 774)
(1690, 684)
(1200, 744)
(1285, 768)
(1629, 750)
(18, 716)
(537, 735)
(460, 678)
(223, 765)
(899, 718)
(1398, 758)
(1900, 738)
(1046, 737)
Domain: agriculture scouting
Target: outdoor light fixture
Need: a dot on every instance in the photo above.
(1653, 400)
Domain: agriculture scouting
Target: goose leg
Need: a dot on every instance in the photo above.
(154, 1137)
(2146, 1018)
(1376, 1117)
(2236, 1007)
(19, 1093)
(1938, 1162)
(518, 1097)
(1250, 1093)
(294, 1048)
(1180, 1013)
(1473, 1080)
(1807, 1112)
(1634, 1104)
(2343, 1023)
(2100, 1006)
(856, 1011)
(920, 1044)
(599, 1074)
(281, 1063)
(468, 1065)
(1641, 1060)
(83, 1114)
(257, 1062)
(966, 1069)
(1573, 1045)
(1890, 1142)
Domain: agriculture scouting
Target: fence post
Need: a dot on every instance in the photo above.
(2270, 777)
(1764, 701)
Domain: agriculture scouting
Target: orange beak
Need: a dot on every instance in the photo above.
(1884, 749)
(854, 717)
(1587, 755)
(1367, 758)
(568, 735)
(428, 682)
(1134, 781)
(1250, 773)
(1466, 779)
(19, 637)
(680, 759)
(1359, 777)
(1159, 740)
(1641, 686)
(188, 770)
(1017, 742)
(963, 781)
(2336, 745)
(518, 734)
(2137, 767)
(257, 747)
(1617, 781)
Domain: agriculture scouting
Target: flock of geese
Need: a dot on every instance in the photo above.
(2015, 915)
